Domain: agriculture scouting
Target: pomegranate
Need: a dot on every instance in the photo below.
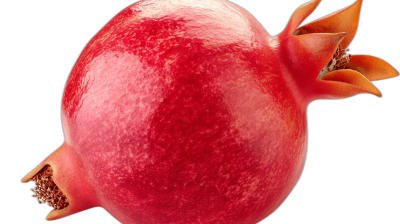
(189, 112)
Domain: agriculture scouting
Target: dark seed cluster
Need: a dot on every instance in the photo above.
(341, 59)
(47, 191)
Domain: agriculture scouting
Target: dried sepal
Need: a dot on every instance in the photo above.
(47, 191)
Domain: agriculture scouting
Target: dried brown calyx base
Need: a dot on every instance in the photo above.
(47, 191)
(339, 61)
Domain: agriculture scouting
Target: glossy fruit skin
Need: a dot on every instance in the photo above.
(180, 117)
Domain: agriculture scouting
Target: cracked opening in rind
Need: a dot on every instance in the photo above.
(47, 191)
(339, 61)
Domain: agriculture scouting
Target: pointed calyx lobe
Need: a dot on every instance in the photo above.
(307, 50)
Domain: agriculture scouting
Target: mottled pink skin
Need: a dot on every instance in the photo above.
(181, 113)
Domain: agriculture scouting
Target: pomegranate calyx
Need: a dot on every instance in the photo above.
(66, 174)
(299, 16)
(345, 20)
(355, 72)
(313, 52)
(339, 60)
(47, 191)
(372, 68)
(345, 83)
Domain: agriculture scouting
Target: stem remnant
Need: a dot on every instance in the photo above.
(47, 191)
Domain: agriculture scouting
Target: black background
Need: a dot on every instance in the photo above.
(351, 169)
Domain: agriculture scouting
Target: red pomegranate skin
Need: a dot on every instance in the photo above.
(181, 117)
(189, 112)
(188, 119)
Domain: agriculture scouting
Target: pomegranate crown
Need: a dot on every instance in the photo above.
(320, 63)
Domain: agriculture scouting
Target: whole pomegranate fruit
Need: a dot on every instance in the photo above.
(189, 112)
